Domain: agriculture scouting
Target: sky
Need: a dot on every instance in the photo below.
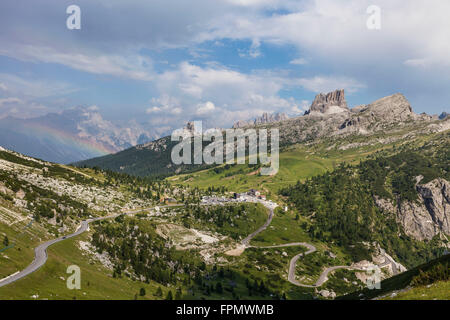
(165, 62)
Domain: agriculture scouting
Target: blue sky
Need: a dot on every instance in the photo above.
(163, 63)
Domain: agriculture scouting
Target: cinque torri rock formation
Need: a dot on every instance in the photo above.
(265, 118)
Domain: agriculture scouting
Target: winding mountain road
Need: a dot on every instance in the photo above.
(246, 241)
(40, 252)
(311, 248)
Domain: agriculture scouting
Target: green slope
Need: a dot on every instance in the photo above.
(142, 160)
(97, 282)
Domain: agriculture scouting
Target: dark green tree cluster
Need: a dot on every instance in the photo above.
(439, 272)
(144, 251)
(342, 204)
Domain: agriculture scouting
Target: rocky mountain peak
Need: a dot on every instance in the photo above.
(330, 103)
(392, 107)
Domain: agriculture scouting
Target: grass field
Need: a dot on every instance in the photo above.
(297, 163)
(436, 291)
(49, 282)
(23, 238)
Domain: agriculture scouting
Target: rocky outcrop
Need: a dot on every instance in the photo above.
(329, 294)
(330, 117)
(380, 114)
(330, 103)
(269, 118)
(391, 107)
(265, 118)
(436, 198)
(427, 217)
(5, 190)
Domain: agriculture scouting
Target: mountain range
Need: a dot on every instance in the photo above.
(81, 133)
(328, 118)
(72, 135)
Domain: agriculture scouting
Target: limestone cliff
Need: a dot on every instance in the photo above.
(265, 118)
(427, 217)
(330, 103)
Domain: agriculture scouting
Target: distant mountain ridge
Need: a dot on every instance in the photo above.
(72, 135)
(265, 118)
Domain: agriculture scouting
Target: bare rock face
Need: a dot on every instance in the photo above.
(384, 205)
(241, 124)
(330, 103)
(416, 221)
(392, 107)
(330, 117)
(429, 216)
(269, 118)
(5, 190)
(436, 197)
(265, 118)
(381, 114)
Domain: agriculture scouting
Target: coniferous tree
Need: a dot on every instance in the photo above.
(6, 241)
(219, 288)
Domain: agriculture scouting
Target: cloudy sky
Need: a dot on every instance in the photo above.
(163, 62)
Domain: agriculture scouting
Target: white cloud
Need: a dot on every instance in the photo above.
(9, 101)
(131, 66)
(334, 32)
(253, 52)
(165, 105)
(3, 87)
(299, 61)
(300, 109)
(416, 62)
(329, 83)
(93, 108)
(18, 107)
(218, 95)
(36, 88)
(154, 110)
(176, 111)
(205, 108)
(30, 97)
